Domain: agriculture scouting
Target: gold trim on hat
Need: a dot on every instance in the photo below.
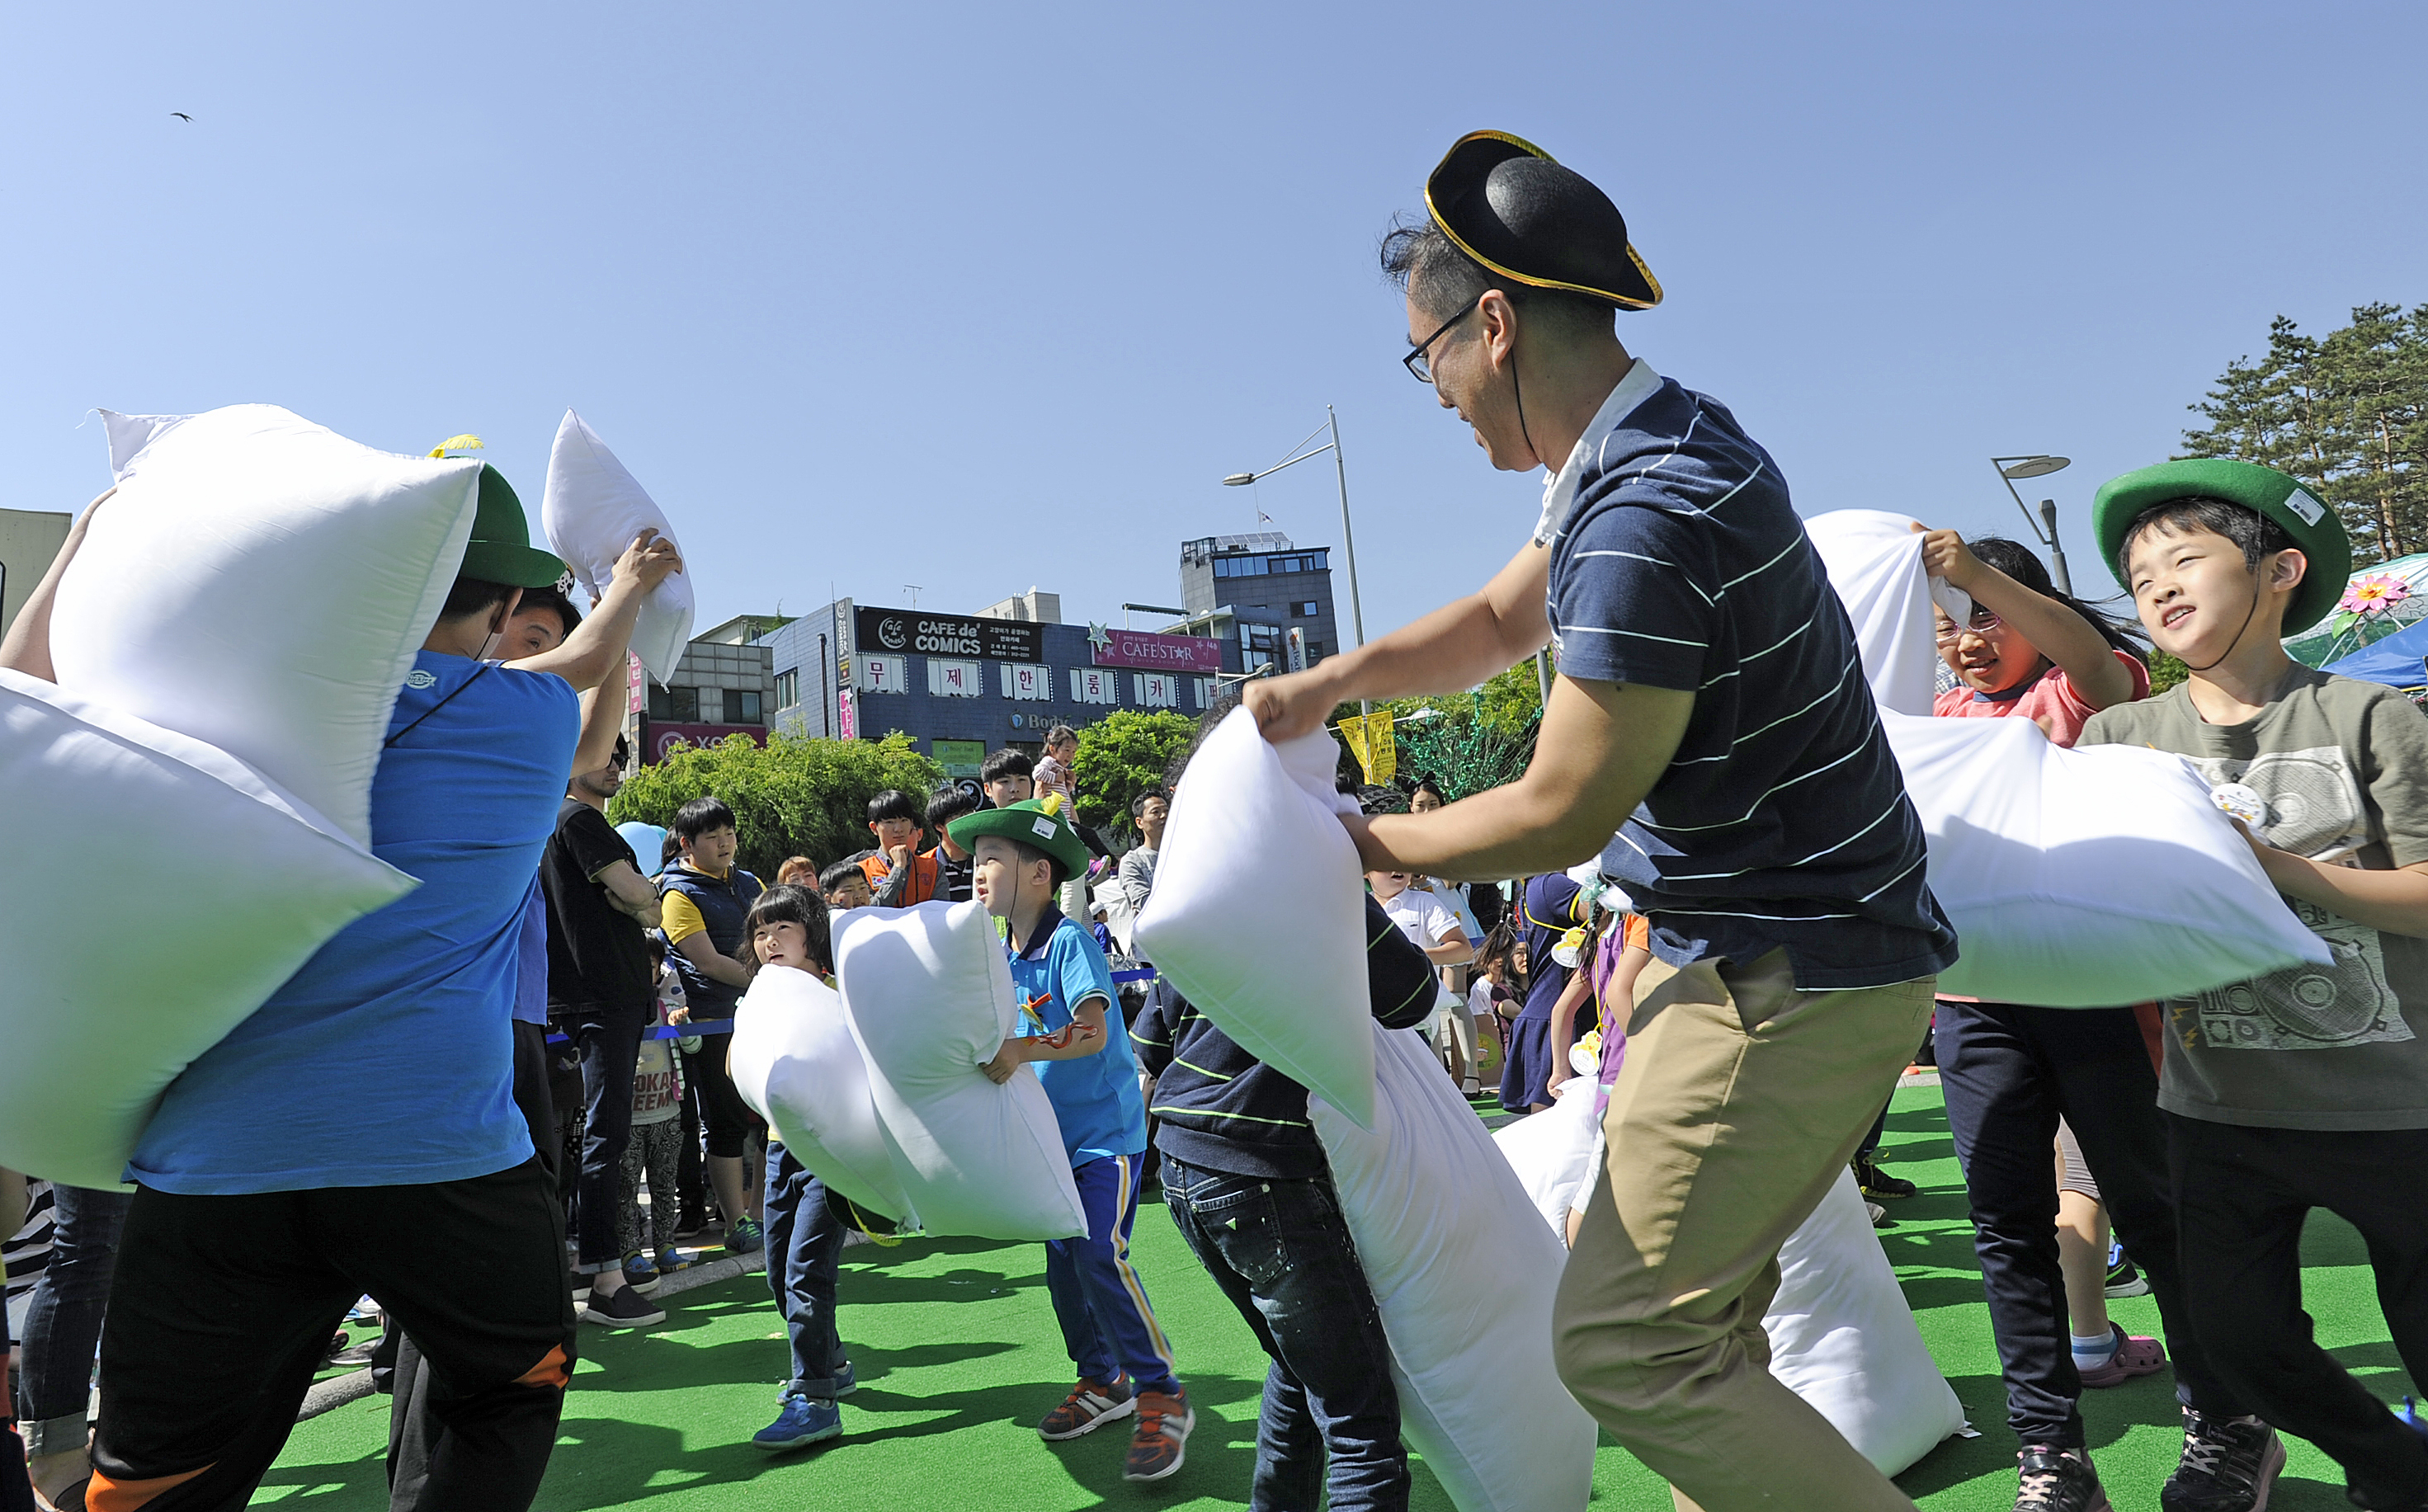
(1434, 211)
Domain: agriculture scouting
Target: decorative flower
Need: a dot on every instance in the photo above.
(2374, 594)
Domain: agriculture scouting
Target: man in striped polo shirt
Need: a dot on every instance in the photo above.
(1712, 736)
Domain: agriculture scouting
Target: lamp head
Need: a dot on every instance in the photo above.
(2038, 466)
(1237, 479)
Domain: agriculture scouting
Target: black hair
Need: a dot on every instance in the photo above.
(1031, 855)
(787, 904)
(946, 804)
(2022, 564)
(553, 597)
(623, 752)
(700, 815)
(1138, 804)
(1061, 733)
(669, 850)
(1421, 260)
(842, 873)
(2244, 526)
(1426, 785)
(894, 804)
(1006, 762)
(474, 596)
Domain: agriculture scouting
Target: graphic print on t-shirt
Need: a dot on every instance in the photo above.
(2313, 808)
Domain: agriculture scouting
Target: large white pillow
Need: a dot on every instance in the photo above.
(158, 892)
(2086, 878)
(1258, 913)
(928, 996)
(1463, 1271)
(591, 511)
(261, 585)
(1843, 1337)
(1551, 1152)
(2075, 878)
(795, 1061)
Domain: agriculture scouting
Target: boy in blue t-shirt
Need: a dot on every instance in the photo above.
(1021, 854)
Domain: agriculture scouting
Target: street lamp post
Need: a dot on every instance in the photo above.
(2045, 528)
(1348, 541)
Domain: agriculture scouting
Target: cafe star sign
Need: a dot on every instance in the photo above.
(1156, 652)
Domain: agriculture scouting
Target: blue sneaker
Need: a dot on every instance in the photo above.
(804, 1421)
(670, 1259)
(640, 1271)
(743, 1236)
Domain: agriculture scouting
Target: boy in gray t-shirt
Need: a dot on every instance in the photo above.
(2307, 1087)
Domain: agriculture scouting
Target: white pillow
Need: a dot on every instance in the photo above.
(1462, 1273)
(1874, 562)
(1259, 911)
(1551, 1152)
(795, 1061)
(591, 511)
(181, 889)
(129, 434)
(262, 584)
(2086, 878)
(928, 996)
(1843, 1337)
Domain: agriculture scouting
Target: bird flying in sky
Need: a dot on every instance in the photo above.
(182, 116)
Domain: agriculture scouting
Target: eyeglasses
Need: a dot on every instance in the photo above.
(1982, 622)
(1417, 362)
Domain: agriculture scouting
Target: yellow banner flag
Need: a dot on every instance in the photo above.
(1369, 741)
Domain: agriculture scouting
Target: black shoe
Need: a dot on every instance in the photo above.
(2124, 1279)
(2228, 1466)
(626, 1308)
(1880, 1187)
(2057, 1480)
(691, 1225)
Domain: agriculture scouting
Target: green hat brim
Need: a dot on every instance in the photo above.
(501, 548)
(1019, 821)
(2312, 524)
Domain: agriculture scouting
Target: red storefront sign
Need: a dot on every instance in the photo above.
(1155, 652)
(664, 735)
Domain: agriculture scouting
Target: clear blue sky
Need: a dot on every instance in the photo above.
(978, 297)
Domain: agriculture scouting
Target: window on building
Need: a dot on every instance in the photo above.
(788, 688)
(742, 707)
(1305, 609)
(676, 705)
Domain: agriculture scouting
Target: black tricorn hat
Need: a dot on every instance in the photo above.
(1509, 206)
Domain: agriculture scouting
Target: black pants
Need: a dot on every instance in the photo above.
(721, 1108)
(413, 1428)
(222, 1308)
(2009, 1073)
(609, 1038)
(1281, 1252)
(2244, 1194)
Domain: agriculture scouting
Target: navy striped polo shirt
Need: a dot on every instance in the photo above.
(1678, 561)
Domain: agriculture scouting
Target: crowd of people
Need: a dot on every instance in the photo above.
(1735, 977)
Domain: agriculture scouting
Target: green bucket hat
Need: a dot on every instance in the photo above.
(1044, 824)
(2312, 525)
(501, 548)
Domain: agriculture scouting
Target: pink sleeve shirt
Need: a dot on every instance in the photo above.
(2049, 698)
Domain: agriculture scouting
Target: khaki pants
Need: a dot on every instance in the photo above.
(1740, 1101)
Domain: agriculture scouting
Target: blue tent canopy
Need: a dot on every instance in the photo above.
(2396, 661)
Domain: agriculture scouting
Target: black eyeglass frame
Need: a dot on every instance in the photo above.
(1420, 367)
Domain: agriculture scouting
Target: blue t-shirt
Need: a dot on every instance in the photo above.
(1096, 1098)
(1678, 561)
(1550, 911)
(530, 959)
(388, 1058)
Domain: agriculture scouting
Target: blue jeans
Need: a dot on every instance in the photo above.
(1281, 1252)
(63, 1321)
(804, 1240)
(610, 1041)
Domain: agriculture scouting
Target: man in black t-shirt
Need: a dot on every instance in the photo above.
(601, 990)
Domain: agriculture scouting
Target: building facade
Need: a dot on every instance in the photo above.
(962, 685)
(1270, 598)
(724, 685)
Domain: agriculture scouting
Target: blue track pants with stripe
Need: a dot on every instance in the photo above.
(1108, 1323)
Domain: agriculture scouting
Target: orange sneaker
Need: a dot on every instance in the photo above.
(1090, 1403)
(1161, 1437)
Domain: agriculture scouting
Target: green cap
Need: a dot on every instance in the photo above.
(1045, 824)
(501, 548)
(2315, 530)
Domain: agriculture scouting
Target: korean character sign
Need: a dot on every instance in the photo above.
(953, 680)
(884, 674)
(1095, 684)
(1022, 680)
(1204, 693)
(1155, 690)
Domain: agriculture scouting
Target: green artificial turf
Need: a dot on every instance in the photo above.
(959, 1355)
